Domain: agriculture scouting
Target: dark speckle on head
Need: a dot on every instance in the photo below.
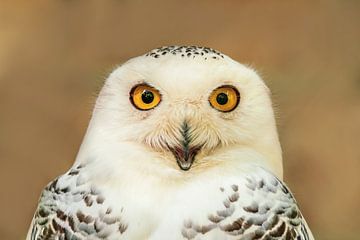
(186, 51)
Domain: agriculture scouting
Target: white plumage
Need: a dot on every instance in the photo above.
(182, 144)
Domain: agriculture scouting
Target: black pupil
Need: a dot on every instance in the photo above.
(147, 97)
(222, 98)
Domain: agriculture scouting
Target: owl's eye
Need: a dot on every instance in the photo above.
(144, 97)
(224, 98)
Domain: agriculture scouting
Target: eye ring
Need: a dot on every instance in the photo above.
(224, 98)
(144, 97)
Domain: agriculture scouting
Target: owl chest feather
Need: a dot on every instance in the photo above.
(80, 206)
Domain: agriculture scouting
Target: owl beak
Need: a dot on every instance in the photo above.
(184, 153)
(185, 156)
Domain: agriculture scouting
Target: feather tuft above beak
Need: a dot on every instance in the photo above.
(185, 153)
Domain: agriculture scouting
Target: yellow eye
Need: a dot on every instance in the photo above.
(144, 97)
(224, 98)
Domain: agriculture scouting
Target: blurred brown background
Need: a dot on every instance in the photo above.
(54, 56)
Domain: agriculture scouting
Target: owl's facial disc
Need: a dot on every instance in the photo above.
(185, 152)
(186, 138)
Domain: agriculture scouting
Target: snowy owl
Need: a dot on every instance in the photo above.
(182, 144)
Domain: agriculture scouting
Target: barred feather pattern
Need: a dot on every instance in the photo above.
(71, 208)
(270, 212)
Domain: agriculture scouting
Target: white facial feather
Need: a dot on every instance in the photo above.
(185, 83)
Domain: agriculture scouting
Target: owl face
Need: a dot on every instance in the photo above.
(187, 104)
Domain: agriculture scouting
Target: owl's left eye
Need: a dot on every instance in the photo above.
(224, 98)
(144, 97)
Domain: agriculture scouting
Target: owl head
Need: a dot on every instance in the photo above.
(185, 109)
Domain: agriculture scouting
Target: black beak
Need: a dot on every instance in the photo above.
(185, 153)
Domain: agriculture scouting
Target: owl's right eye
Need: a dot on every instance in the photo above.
(224, 98)
(144, 97)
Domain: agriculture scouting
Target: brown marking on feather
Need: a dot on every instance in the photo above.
(61, 215)
(261, 184)
(247, 224)
(59, 228)
(100, 199)
(88, 201)
(80, 216)
(122, 228)
(254, 208)
(215, 219)
(226, 203)
(97, 226)
(234, 197)
(271, 222)
(48, 232)
(226, 212)
(295, 222)
(71, 223)
(234, 187)
(293, 213)
(79, 166)
(288, 235)
(234, 226)
(279, 231)
(88, 219)
(55, 225)
(205, 228)
(53, 185)
(284, 189)
(279, 211)
(73, 172)
(65, 190)
(43, 213)
(108, 211)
